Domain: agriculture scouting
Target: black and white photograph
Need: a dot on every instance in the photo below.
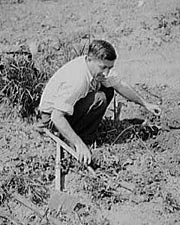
(89, 112)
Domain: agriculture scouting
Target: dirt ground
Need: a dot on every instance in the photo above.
(146, 35)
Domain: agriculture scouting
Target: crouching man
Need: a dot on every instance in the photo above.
(78, 94)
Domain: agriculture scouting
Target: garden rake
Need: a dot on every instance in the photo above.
(61, 200)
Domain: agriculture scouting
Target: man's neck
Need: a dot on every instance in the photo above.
(89, 67)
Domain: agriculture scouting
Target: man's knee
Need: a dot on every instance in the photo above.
(100, 95)
(100, 100)
(109, 93)
(104, 96)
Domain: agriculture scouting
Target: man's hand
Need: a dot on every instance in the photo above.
(83, 153)
(64, 128)
(155, 109)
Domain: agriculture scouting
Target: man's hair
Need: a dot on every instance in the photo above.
(102, 50)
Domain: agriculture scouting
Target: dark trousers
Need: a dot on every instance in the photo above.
(88, 113)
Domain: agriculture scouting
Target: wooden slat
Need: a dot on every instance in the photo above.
(68, 149)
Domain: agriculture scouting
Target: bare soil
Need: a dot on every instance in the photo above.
(146, 35)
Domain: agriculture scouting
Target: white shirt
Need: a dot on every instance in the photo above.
(70, 83)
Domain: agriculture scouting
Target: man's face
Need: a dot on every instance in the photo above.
(101, 68)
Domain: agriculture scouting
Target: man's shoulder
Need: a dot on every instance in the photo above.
(72, 67)
(73, 71)
(77, 62)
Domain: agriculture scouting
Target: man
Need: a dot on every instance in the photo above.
(78, 94)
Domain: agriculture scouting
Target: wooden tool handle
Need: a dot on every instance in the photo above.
(58, 167)
(67, 148)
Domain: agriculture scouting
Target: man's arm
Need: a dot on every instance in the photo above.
(66, 130)
(126, 91)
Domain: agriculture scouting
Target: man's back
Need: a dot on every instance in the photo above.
(70, 83)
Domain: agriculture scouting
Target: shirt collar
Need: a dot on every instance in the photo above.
(89, 75)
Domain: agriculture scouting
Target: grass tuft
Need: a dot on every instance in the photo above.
(21, 85)
(22, 78)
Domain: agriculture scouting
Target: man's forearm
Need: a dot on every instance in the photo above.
(127, 92)
(61, 123)
(64, 128)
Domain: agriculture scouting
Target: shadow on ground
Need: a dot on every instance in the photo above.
(113, 132)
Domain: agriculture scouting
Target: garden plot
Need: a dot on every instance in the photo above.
(136, 157)
(133, 173)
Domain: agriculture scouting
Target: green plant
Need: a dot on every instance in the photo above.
(21, 85)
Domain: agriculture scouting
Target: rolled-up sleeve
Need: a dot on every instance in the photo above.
(67, 95)
(66, 87)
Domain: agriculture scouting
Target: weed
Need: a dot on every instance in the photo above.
(21, 85)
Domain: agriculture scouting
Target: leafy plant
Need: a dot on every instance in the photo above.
(21, 85)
